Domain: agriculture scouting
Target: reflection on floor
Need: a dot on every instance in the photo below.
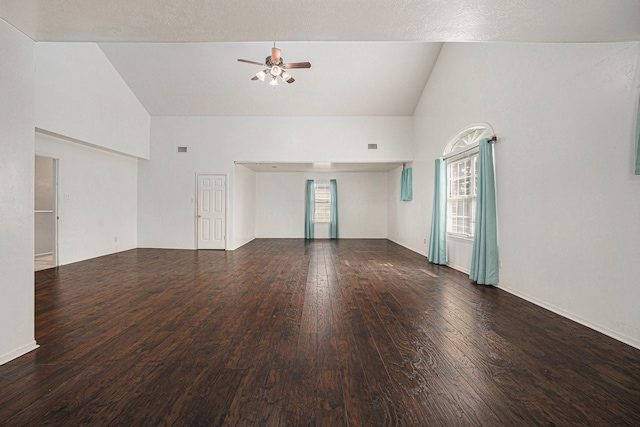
(42, 262)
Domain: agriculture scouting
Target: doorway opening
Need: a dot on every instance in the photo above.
(46, 213)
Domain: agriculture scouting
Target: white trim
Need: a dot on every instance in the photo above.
(87, 144)
(7, 357)
(462, 132)
(325, 184)
(460, 153)
(242, 244)
(411, 248)
(56, 200)
(459, 268)
(462, 237)
(56, 212)
(598, 328)
(227, 222)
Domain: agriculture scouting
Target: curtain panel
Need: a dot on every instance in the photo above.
(638, 141)
(333, 220)
(438, 240)
(484, 261)
(310, 208)
(406, 185)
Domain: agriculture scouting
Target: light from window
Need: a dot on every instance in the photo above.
(461, 200)
(462, 152)
(323, 202)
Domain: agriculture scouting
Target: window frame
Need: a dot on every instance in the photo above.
(465, 199)
(464, 145)
(322, 205)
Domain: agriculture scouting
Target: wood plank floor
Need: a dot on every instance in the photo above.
(291, 333)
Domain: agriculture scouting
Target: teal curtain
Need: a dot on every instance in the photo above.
(638, 142)
(333, 218)
(438, 242)
(310, 210)
(406, 185)
(484, 262)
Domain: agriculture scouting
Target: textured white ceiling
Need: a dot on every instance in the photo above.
(326, 20)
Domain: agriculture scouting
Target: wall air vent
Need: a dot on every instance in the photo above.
(182, 149)
(372, 146)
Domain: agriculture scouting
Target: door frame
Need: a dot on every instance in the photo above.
(55, 203)
(226, 209)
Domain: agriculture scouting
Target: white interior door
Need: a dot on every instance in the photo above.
(211, 212)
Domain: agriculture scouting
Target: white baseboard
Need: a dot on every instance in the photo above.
(242, 243)
(18, 352)
(599, 328)
(460, 269)
(403, 245)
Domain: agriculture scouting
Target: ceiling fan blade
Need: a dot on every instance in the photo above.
(297, 65)
(252, 62)
(254, 78)
(290, 80)
(275, 55)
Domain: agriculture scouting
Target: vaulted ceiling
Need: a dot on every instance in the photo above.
(345, 79)
(369, 57)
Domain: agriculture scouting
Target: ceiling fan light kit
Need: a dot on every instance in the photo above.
(275, 71)
(275, 67)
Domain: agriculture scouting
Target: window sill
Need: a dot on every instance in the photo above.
(460, 237)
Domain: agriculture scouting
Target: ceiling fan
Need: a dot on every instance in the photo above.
(274, 67)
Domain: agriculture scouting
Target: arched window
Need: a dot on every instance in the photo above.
(462, 159)
(468, 138)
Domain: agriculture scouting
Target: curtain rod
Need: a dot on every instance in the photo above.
(491, 140)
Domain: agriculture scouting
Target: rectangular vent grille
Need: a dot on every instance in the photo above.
(182, 149)
(372, 146)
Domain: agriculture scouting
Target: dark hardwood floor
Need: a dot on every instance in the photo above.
(287, 332)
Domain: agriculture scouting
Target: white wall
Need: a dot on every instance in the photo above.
(244, 209)
(80, 95)
(89, 119)
(406, 224)
(280, 204)
(16, 193)
(459, 253)
(568, 201)
(73, 91)
(97, 199)
(362, 204)
(166, 183)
